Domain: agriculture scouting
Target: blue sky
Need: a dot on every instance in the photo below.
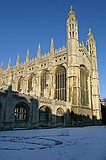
(26, 23)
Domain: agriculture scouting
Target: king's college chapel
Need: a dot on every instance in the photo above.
(60, 88)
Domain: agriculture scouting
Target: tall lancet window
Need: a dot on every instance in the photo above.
(60, 83)
(20, 84)
(43, 83)
(84, 85)
(30, 85)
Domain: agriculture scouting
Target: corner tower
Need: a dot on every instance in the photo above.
(72, 39)
(73, 59)
(91, 48)
(72, 25)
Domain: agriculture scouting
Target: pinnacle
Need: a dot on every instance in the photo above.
(39, 51)
(28, 51)
(90, 31)
(71, 9)
(52, 42)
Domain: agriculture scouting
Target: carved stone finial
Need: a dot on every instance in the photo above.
(89, 31)
(90, 34)
(71, 8)
(9, 63)
(28, 55)
(39, 52)
(71, 13)
(18, 60)
(82, 43)
(52, 46)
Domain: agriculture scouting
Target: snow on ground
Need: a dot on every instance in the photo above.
(87, 143)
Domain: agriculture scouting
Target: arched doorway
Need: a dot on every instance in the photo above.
(60, 117)
(44, 116)
(21, 111)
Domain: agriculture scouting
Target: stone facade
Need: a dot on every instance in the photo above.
(59, 88)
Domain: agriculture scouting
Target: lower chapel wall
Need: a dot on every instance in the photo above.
(23, 111)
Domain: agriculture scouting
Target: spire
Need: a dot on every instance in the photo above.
(71, 9)
(28, 55)
(9, 63)
(52, 46)
(82, 44)
(18, 60)
(89, 31)
(39, 52)
(71, 12)
(90, 34)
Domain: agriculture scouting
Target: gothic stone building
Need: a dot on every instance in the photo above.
(57, 89)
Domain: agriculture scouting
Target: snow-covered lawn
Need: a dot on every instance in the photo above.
(87, 143)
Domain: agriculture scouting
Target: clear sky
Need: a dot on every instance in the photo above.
(26, 23)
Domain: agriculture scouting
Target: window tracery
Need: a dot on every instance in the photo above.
(30, 83)
(21, 112)
(60, 79)
(43, 83)
(84, 85)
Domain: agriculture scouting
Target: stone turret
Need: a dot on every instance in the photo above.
(73, 57)
(72, 25)
(72, 39)
(91, 47)
(91, 44)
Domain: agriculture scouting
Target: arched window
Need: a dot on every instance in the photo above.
(30, 87)
(44, 115)
(20, 84)
(21, 111)
(84, 85)
(43, 83)
(60, 116)
(60, 81)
